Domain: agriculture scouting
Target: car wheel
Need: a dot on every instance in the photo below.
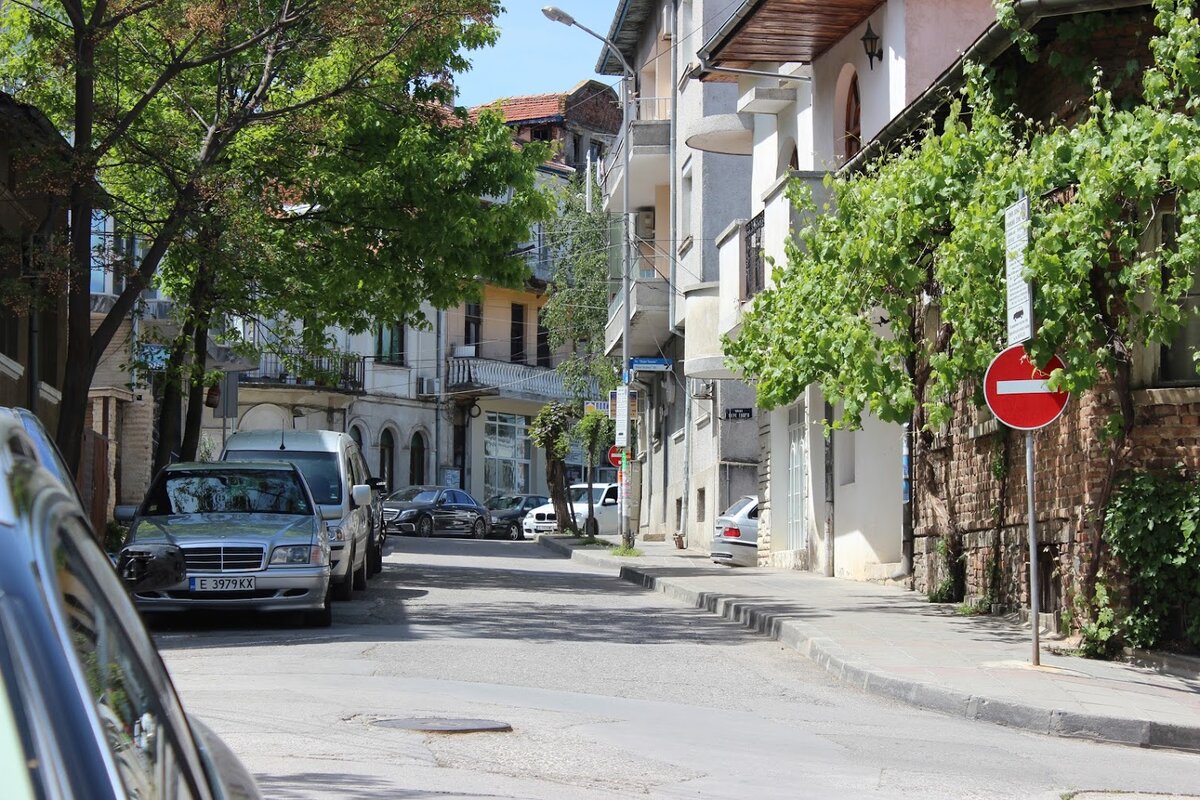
(360, 574)
(343, 590)
(425, 527)
(479, 530)
(514, 531)
(322, 617)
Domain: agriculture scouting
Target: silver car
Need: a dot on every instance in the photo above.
(251, 535)
(735, 540)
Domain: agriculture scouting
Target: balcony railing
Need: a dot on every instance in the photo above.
(340, 372)
(468, 377)
(756, 267)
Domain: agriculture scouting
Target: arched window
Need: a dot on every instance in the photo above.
(387, 457)
(416, 460)
(852, 141)
(356, 435)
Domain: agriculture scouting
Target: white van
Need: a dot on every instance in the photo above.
(337, 477)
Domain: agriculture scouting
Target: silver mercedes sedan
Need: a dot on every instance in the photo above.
(251, 535)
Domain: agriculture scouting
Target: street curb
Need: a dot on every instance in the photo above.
(831, 657)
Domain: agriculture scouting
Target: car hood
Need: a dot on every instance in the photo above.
(185, 529)
(507, 514)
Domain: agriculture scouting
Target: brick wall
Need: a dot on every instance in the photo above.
(978, 472)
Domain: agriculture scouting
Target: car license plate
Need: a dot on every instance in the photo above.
(222, 584)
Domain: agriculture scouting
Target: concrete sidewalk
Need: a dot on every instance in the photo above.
(893, 642)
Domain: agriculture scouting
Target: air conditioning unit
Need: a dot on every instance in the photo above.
(427, 387)
(643, 223)
(464, 351)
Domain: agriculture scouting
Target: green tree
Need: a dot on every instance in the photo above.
(155, 94)
(576, 309)
(594, 431)
(894, 297)
(551, 431)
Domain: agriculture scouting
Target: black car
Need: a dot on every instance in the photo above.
(86, 706)
(426, 510)
(508, 510)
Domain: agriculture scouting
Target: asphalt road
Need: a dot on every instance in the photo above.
(611, 692)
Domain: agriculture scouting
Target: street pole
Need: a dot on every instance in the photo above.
(558, 15)
(1034, 600)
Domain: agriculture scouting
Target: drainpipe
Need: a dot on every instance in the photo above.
(829, 492)
(687, 457)
(439, 350)
(673, 157)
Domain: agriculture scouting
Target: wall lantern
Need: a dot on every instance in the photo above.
(871, 45)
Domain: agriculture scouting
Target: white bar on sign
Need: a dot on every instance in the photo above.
(1023, 387)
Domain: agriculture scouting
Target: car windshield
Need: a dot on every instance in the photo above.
(505, 502)
(579, 494)
(320, 470)
(233, 492)
(414, 494)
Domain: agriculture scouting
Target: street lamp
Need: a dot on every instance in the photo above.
(556, 14)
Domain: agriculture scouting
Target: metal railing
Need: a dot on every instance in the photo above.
(756, 266)
(506, 378)
(341, 372)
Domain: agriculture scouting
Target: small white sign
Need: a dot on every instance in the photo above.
(1020, 294)
(622, 416)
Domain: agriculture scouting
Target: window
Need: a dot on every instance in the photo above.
(540, 134)
(356, 435)
(473, 332)
(685, 204)
(320, 470)
(1176, 366)
(507, 454)
(228, 492)
(700, 505)
(10, 331)
(389, 344)
(137, 711)
(517, 340)
(852, 142)
(543, 345)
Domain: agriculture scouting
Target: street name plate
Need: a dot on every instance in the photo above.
(1020, 295)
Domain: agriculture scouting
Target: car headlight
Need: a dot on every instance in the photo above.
(408, 513)
(336, 534)
(297, 554)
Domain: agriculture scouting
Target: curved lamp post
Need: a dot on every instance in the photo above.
(558, 15)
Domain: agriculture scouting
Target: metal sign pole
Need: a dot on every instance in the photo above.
(1033, 551)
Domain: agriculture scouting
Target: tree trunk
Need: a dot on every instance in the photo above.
(171, 403)
(77, 378)
(196, 389)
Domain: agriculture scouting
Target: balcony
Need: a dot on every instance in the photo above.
(649, 303)
(650, 164)
(469, 378)
(341, 372)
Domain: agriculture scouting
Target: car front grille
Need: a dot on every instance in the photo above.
(543, 516)
(223, 559)
(391, 514)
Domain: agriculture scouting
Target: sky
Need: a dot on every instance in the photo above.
(535, 55)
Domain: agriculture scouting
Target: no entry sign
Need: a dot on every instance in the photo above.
(614, 455)
(1017, 393)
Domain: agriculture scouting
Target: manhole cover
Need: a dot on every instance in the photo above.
(442, 725)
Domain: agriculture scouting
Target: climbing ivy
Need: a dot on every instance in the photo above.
(893, 296)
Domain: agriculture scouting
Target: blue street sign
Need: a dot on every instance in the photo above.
(640, 364)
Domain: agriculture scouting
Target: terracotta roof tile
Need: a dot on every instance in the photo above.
(529, 107)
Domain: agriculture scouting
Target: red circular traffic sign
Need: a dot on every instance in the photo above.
(614, 455)
(1017, 393)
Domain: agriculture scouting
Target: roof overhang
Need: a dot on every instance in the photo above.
(783, 31)
(625, 32)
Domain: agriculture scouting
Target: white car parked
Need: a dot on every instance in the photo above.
(604, 506)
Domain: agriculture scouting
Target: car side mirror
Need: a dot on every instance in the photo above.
(608, 501)
(441, 501)
(149, 567)
(378, 484)
(361, 495)
(124, 514)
